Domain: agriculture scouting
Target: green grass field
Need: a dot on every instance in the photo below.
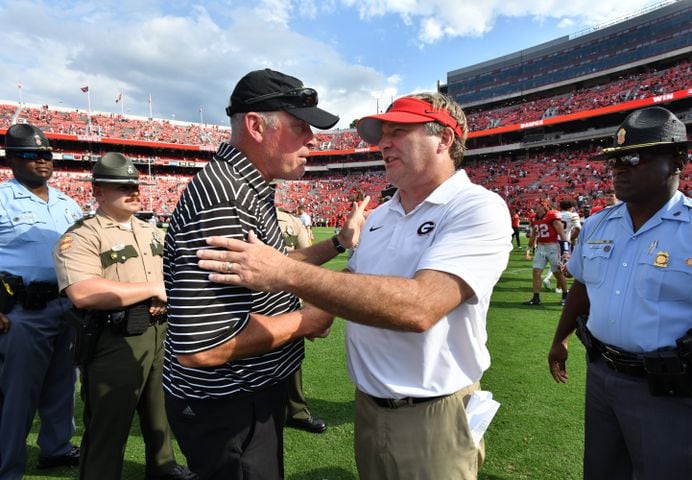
(536, 434)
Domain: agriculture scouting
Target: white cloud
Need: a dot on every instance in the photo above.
(436, 19)
(188, 54)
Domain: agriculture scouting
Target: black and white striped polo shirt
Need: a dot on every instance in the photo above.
(227, 198)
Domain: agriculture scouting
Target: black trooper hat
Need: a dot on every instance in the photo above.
(22, 136)
(646, 128)
(271, 91)
(115, 167)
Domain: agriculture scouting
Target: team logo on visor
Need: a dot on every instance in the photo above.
(426, 228)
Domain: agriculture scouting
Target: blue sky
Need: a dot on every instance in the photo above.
(188, 55)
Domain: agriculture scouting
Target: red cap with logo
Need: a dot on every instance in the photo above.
(406, 110)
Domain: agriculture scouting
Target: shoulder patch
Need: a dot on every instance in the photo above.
(66, 242)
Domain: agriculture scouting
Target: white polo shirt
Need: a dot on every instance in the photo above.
(462, 229)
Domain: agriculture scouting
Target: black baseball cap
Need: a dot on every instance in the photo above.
(271, 91)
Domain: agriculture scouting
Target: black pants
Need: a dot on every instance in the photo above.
(238, 438)
(516, 236)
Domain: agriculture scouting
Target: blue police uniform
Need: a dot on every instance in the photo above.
(639, 284)
(639, 289)
(36, 370)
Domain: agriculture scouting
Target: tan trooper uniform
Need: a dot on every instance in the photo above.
(295, 236)
(295, 233)
(125, 373)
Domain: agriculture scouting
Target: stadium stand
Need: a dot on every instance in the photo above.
(535, 117)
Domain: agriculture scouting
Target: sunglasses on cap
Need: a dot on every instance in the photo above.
(47, 156)
(300, 97)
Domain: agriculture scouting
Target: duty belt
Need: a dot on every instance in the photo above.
(620, 360)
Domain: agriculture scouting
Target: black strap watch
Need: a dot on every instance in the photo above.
(339, 248)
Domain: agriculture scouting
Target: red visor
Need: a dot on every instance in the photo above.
(405, 110)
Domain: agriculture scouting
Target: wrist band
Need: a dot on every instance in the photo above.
(564, 247)
(337, 244)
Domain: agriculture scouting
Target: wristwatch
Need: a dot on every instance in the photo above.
(339, 248)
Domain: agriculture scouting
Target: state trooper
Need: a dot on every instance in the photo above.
(298, 415)
(110, 267)
(631, 305)
(36, 370)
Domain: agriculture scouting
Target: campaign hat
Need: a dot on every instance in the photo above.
(22, 136)
(114, 167)
(644, 129)
(271, 91)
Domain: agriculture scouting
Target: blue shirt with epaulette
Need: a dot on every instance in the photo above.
(29, 228)
(639, 283)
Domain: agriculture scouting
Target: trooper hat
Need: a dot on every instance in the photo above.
(114, 167)
(646, 128)
(22, 136)
(270, 91)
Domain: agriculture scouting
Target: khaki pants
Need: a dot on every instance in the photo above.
(425, 441)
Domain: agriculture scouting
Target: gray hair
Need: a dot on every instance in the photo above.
(270, 119)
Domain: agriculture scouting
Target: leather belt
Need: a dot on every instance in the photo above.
(620, 360)
(394, 403)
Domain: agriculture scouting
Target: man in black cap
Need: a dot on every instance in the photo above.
(111, 267)
(36, 370)
(631, 305)
(415, 293)
(229, 350)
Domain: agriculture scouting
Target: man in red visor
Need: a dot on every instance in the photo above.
(415, 293)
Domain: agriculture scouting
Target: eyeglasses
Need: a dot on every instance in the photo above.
(629, 160)
(47, 156)
(302, 97)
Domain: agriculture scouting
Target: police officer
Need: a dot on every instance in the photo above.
(36, 370)
(110, 267)
(633, 270)
(297, 414)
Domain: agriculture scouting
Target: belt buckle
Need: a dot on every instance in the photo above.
(396, 402)
(610, 363)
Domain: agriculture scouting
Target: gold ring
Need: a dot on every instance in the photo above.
(229, 266)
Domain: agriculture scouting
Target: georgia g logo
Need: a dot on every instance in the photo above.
(426, 228)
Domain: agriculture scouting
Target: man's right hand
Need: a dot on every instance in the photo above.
(557, 362)
(4, 323)
(159, 292)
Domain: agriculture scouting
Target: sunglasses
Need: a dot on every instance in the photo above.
(47, 156)
(629, 160)
(301, 97)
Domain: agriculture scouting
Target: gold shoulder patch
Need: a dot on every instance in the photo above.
(66, 243)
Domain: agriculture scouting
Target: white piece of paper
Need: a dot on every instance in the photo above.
(480, 411)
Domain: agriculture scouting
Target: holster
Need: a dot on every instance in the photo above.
(132, 321)
(10, 286)
(585, 337)
(88, 329)
(36, 295)
(668, 374)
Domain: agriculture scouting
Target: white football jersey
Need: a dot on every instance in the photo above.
(570, 220)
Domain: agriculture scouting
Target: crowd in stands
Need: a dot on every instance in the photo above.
(327, 196)
(79, 122)
(514, 111)
(630, 87)
(556, 175)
